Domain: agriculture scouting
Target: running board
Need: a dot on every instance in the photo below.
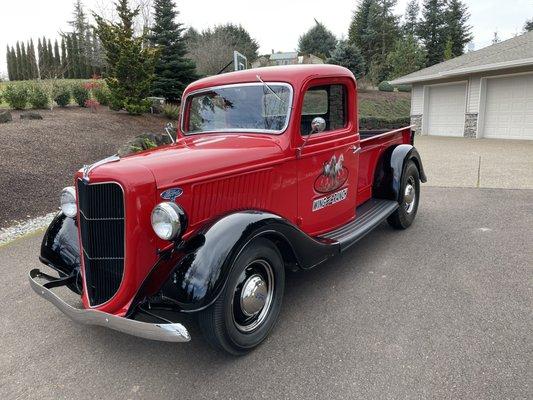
(368, 216)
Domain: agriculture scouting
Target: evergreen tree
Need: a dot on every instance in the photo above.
(57, 60)
(348, 56)
(24, 62)
(20, 66)
(130, 64)
(238, 38)
(410, 23)
(528, 26)
(97, 55)
(173, 71)
(457, 30)
(40, 55)
(64, 61)
(34, 72)
(50, 60)
(10, 69)
(70, 57)
(318, 41)
(432, 31)
(88, 54)
(76, 59)
(408, 56)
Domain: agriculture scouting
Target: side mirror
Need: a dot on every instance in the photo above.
(169, 128)
(318, 125)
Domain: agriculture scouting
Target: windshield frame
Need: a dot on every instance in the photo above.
(239, 130)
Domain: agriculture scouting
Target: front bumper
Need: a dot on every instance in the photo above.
(166, 332)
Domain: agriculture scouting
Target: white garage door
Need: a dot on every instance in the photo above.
(446, 110)
(509, 108)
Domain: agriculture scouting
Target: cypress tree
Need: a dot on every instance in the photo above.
(24, 62)
(97, 53)
(76, 61)
(50, 59)
(40, 55)
(9, 59)
(431, 30)
(70, 57)
(20, 66)
(57, 60)
(34, 72)
(64, 62)
(45, 71)
(88, 55)
(173, 71)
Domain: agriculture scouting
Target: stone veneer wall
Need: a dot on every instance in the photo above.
(470, 125)
(416, 120)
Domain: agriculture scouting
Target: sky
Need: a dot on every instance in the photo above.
(275, 24)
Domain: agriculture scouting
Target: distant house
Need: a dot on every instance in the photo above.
(486, 93)
(286, 58)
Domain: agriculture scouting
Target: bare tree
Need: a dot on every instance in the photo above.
(210, 52)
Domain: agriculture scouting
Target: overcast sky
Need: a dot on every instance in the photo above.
(275, 24)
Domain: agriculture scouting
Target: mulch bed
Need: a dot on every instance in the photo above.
(39, 157)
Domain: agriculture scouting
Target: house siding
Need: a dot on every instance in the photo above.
(417, 100)
(474, 87)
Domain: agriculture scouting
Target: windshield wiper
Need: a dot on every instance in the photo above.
(272, 90)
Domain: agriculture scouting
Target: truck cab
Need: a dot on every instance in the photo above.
(269, 172)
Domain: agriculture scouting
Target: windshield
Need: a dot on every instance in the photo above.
(246, 107)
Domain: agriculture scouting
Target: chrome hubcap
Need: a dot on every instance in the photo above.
(253, 295)
(409, 195)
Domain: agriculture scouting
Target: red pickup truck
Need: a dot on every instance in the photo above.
(269, 172)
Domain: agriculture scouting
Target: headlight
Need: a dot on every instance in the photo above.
(68, 202)
(168, 220)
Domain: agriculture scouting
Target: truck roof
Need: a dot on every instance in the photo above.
(293, 74)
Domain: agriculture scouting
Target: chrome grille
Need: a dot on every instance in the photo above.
(101, 208)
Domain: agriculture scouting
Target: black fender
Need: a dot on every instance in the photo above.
(60, 248)
(194, 275)
(389, 170)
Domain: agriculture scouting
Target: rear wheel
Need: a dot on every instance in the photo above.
(404, 216)
(248, 307)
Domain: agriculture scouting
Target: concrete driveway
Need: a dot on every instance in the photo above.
(441, 310)
(485, 163)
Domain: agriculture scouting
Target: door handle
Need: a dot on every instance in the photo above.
(356, 149)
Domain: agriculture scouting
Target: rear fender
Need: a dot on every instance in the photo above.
(389, 170)
(194, 275)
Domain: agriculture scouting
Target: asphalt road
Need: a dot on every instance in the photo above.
(442, 310)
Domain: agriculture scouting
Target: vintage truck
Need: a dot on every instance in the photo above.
(269, 172)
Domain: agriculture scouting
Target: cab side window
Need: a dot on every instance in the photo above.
(328, 102)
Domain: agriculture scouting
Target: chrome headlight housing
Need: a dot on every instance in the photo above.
(168, 220)
(68, 202)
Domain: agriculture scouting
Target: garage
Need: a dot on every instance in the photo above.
(509, 108)
(446, 109)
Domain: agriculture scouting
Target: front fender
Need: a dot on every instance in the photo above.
(389, 170)
(196, 272)
(60, 248)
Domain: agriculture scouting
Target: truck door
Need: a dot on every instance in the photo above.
(328, 160)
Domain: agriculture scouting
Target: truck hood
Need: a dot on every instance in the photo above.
(202, 157)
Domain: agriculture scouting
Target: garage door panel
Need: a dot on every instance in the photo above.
(509, 108)
(446, 110)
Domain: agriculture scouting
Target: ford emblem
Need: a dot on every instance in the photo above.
(172, 194)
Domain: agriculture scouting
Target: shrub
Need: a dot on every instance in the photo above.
(376, 123)
(404, 88)
(115, 103)
(171, 111)
(80, 94)
(102, 94)
(61, 95)
(17, 96)
(385, 87)
(135, 107)
(39, 96)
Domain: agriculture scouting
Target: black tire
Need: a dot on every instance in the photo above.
(404, 216)
(224, 322)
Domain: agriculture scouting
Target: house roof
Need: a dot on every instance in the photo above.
(515, 52)
(284, 56)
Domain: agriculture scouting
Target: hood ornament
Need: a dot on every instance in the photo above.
(88, 168)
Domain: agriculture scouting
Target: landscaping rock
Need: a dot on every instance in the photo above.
(5, 116)
(31, 115)
(156, 104)
(143, 142)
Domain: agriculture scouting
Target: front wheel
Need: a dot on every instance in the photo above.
(404, 216)
(248, 307)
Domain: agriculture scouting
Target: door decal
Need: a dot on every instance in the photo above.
(333, 175)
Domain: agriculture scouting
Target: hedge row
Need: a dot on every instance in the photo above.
(374, 123)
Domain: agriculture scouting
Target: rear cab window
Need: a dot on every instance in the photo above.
(328, 102)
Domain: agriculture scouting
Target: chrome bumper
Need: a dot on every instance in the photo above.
(162, 332)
